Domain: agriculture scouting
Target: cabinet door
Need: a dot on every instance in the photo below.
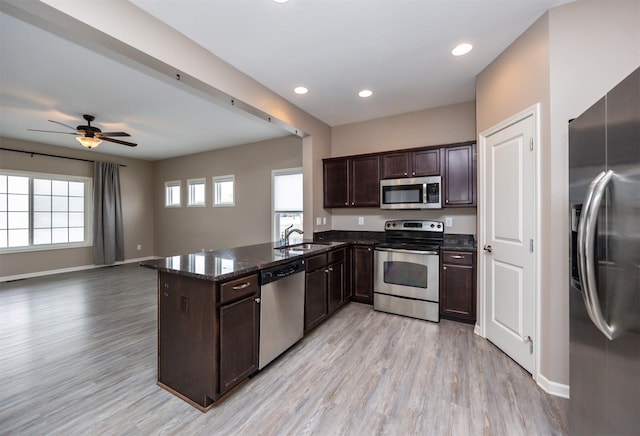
(187, 347)
(362, 266)
(239, 327)
(426, 162)
(336, 186)
(335, 285)
(460, 176)
(315, 301)
(395, 165)
(457, 286)
(364, 181)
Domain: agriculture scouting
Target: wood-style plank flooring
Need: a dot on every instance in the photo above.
(78, 356)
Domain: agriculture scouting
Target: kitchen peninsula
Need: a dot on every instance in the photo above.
(209, 316)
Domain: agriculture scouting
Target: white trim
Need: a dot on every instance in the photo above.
(227, 178)
(534, 112)
(199, 180)
(553, 388)
(70, 269)
(173, 183)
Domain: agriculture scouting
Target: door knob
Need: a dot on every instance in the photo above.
(488, 248)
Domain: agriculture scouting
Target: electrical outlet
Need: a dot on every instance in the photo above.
(139, 247)
(448, 221)
(360, 220)
(318, 221)
(324, 220)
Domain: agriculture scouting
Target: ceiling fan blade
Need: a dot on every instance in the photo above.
(52, 131)
(112, 134)
(117, 141)
(63, 124)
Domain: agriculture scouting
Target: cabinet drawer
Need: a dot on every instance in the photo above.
(315, 262)
(336, 255)
(237, 288)
(457, 258)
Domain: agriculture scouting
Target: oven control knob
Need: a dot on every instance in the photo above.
(432, 225)
(439, 225)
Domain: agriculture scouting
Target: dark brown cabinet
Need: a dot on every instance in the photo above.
(239, 327)
(351, 182)
(410, 164)
(458, 286)
(207, 335)
(459, 179)
(362, 273)
(325, 288)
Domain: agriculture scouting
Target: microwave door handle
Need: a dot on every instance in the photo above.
(424, 193)
(586, 246)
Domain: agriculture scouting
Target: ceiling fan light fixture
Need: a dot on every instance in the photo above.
(88, 141)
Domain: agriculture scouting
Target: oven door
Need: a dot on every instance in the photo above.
(407, 273)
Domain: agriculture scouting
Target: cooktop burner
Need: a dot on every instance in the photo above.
(420, 235)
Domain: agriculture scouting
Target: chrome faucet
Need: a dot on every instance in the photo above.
(288, 231)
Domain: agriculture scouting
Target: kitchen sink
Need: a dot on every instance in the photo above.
(303, 246)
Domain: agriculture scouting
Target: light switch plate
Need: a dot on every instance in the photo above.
(448, 221)
(360, 220)
(318, 221)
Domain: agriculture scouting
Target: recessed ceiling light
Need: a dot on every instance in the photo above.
(461, 49)
(280, 1)
(365, 93)
(300, 90)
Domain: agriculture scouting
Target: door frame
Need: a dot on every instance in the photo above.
(480, 327)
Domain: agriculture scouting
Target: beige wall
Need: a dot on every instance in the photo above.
(191, 229)
(442, 125)
(565, 61)
(136, 181)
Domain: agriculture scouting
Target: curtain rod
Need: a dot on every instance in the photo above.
(34, 153)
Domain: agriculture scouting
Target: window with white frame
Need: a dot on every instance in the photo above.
(224, 190)
(172, 193)
(40, 211)
(196, 189)
(287, 203)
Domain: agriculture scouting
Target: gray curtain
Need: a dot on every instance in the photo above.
(108, 235)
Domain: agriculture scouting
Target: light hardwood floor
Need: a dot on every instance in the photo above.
(78, 356)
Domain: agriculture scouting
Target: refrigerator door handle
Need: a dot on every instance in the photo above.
(585, 253)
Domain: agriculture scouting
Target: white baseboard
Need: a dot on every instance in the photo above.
(553, 388)
(71, 269)
(477, 330)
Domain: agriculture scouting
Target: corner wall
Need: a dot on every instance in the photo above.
(566, 60)
(136, 181)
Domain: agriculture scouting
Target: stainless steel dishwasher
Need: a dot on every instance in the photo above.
(281, 309)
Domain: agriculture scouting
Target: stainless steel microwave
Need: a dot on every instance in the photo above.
(413, 193)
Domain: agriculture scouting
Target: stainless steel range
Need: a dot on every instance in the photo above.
(406, 269)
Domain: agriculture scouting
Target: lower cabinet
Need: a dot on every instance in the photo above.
(458, 286)
(362, 273)
(325, 286)
(207, 335)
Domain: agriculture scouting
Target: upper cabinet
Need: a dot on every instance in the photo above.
(352, 182)
(459, 176)
(411, 164)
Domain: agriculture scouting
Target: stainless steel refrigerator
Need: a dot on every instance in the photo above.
(604, 196)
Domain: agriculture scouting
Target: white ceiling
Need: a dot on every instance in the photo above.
(400, 49)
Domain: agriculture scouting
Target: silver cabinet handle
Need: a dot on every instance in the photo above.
(457, 256)
(399, 250)
(242, 286)
(585, 253)
(257, 300)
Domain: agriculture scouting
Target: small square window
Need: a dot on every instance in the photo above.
(223, 191)
(172, 193)
(196, 192)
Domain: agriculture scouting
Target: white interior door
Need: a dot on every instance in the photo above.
(509, 226)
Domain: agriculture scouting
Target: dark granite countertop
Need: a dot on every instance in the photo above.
(456, 242)
(221, 265)
(352, 236)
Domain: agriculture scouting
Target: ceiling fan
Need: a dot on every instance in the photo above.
(90, 136)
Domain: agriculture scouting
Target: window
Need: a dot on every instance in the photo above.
(287, 203)
(44, 210)
(196, 192)
(223, 191)
(172, 194)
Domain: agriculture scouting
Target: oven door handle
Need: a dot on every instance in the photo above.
(400, 250)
